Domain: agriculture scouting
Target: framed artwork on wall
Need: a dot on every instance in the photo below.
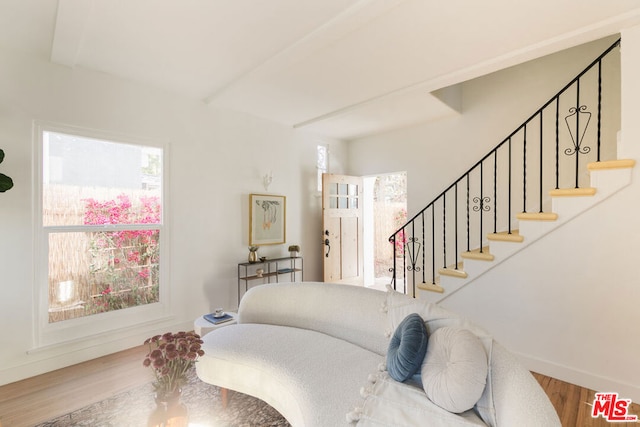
(267, 219)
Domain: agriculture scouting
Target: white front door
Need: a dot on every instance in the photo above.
(342, 229)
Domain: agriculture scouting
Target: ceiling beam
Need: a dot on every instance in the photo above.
(71, 24)
(336, 28)
(564, 41)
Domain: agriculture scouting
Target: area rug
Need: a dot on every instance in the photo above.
(203, 401)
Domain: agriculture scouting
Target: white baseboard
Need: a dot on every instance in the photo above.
(51, 358)
(581, 378)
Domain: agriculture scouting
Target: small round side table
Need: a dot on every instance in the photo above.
(202, 326)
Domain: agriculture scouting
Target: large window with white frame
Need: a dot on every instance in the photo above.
(101, 225)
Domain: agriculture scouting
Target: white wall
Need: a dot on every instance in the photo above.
(568, 303)
(217, 158)
(436, 154)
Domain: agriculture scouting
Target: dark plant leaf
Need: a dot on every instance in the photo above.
(5, 183)
(1, 156)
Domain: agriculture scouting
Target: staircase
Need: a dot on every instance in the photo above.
(607, 178)
(558, 164)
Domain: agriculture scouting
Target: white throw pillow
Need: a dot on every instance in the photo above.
(454, 371)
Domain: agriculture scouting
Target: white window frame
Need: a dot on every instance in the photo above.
(320, 170)
(117, 322)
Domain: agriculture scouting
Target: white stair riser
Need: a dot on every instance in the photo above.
(474, 267)
(568, 207)
(606, 182)
(503, 250)
(533, 230)
(450, 285)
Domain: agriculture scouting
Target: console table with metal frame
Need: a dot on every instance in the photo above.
(273, 270)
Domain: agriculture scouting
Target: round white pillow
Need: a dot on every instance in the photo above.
(454, 371)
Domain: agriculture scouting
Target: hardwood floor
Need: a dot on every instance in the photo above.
(34, 400)
(573, 404)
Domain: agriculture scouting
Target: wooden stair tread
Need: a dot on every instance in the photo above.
(537, 216)
(611, 164)
(431, 287)
(505, 236)
(452, 271)
(477, 255)
(572, 192)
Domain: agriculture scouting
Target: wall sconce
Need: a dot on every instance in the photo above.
(266, 180)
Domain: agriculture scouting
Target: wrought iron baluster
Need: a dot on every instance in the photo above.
(524, 171)
(599, 105)
(444, 229)
(393, 270)
(404, 262)
(414, 258)
(413, 249)
(468, 227)
(481, 200)
(541, 164)
(456, 224)
(495, 191)
(578, 137)
(577, 142)
(433, 244)
(557, 142)
(509, 189)
(482, 204)
(423, 259)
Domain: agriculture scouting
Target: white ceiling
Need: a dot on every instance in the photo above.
(343, 68)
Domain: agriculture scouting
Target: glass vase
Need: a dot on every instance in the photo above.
(170, 411)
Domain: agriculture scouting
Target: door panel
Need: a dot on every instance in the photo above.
(342, 225)
(332, 250)
(349, 248)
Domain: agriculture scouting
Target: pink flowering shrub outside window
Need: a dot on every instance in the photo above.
(125, 263)
(401, 239)
(101, 203)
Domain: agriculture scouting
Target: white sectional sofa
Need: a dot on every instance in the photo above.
(316, 352)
